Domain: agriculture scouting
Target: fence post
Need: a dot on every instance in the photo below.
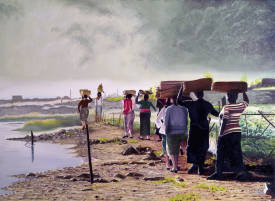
(119, 120)
(113, 119)
(31, 137)
(89, 156)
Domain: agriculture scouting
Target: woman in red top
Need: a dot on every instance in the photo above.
(129, 116)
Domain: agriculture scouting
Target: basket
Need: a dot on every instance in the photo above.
(202, 84)
(145, 92)
(126, 92)
(233, 86)
(85, 92)
(100, 88)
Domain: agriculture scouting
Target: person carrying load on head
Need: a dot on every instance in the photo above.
(161, 127)
(83, 109)
(129, 115)
(98, 107)
(175, 122)
(229, 140)
(145, 115)
(198, 139)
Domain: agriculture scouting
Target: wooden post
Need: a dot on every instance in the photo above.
(32, 137)
(89, 155)
(119, 120)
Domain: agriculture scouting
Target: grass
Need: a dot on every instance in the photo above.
(185, 197)
(158, 153)
(265, 88)
(132, 141)
(114, 99)
(50, 124)
(102, 139)
(211, 188)
(171, 180)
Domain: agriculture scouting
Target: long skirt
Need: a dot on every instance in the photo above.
(98, 110)
(229, 146)
(145, 123)
(173, 143)
(197, 145)
(84, 113)
(129, 122)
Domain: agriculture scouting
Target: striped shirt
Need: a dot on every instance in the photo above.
(233, 113)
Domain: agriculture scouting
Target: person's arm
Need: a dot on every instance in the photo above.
(136, 100)
(90, 99)
(224, 122)
(245, 97)
(151, 104)
(225, 118)
(179, 97)
(79, 105)
(159, 120)
(166, 120)
(213, 111)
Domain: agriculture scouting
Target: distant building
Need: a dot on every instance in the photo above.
(17, 98)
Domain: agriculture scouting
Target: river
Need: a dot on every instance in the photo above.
(18, 157)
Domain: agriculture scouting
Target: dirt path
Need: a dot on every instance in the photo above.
(125, 177)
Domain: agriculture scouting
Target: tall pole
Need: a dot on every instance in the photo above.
(89, 155)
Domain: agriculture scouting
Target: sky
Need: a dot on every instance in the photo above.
(48, 47)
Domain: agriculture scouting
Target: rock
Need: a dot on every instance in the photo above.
(30, 175)
(73, 179)
(179, 179)
(137, 163)
(120, 176)
(101, 181)
(84, 175)
(152, 164)
(142, 150)
(134, 174)
(153, 178)
(151, 156)
(114, 180)
(129, 150)
(67, 177)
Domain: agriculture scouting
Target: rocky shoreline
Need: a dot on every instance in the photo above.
(124, 169)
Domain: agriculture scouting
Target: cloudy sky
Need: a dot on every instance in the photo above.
(50, 46)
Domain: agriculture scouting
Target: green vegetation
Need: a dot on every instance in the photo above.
(244, 78)
(211, 188)
(132, 141)
(265, 88)
(185, 197)
(102, 139)
(158, 153)
(256, 82)
(208, 75)
(114, 99)
(50, 124)
(34, 116)
(171, 180)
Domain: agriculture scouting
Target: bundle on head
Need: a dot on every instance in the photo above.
(132, 92)
(169, 89)
(85, 92)
(100, 88)
(199, 85)
(233, 86)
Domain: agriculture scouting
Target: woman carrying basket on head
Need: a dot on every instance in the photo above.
(145, 115)
(84, 110)
(129, 116)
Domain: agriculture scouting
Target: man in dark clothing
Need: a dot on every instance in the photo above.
(198, 139)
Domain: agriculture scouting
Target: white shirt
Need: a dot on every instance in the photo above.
(160, 121)
(98, 102)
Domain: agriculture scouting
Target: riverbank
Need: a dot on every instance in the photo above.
(125, 177)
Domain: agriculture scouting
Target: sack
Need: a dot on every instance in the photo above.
(233, 86)
(197, 85)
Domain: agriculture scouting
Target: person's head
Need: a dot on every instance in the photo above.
(199, 94)
(85, 96)
(168, 102)
(232, 97)
(173, 100)
(128, 96)
(98, 94)
(146, 97)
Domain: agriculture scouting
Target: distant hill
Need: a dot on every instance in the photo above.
(265, 83)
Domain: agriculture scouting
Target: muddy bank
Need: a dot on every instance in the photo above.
(132, 176)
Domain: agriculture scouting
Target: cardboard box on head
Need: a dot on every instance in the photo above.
(233, 86)
(169, 89)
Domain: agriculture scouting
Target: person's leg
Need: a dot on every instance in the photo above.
(204, 149)
(141, 123)
(191, 150)
(221, 148)
(125, 125)
(131, 124)
(148, 125)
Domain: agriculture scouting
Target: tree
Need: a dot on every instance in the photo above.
(208, 75)
(244, 78)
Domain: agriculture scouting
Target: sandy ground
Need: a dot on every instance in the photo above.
(119, 177)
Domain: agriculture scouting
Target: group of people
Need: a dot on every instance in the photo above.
(172, 126)
(83, 109)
